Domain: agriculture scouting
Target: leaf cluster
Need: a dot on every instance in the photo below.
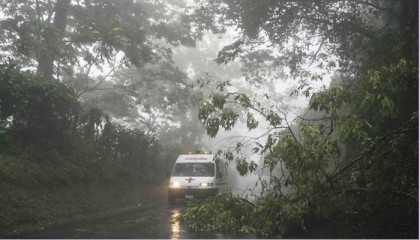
(36, 111)
(223, 213)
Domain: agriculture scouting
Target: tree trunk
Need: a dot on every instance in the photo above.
(53, 40)
(409, 14)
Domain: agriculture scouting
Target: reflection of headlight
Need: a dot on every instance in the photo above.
(175, 184)
(206, 184)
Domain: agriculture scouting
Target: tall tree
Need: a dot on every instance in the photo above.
(114, 54)
(61, 35)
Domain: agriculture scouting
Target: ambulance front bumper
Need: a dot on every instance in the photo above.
(192, 193)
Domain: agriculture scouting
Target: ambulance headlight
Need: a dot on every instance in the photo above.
(175, 184)
(206, 184)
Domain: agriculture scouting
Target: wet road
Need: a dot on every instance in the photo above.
(151, 221)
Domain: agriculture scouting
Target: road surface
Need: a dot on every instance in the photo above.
(148, 221)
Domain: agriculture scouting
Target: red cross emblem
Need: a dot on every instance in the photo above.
(189, 179)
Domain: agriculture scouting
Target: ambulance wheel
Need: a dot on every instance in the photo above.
(171, 199)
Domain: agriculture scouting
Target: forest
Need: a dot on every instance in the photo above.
(97, 97)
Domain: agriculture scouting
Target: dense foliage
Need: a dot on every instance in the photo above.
(35, 111)
(61, 36)
(48, 116)
(351, 161)
(53, 149)
(116, 55)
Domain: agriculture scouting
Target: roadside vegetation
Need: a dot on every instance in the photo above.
(346, 167)
(60, 160)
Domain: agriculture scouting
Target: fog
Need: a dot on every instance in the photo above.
(200, 62)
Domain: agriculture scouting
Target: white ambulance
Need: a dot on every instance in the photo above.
(196, 176)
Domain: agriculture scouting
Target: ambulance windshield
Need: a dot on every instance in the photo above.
(193, 169)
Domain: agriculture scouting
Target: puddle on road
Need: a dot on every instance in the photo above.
(175, 224)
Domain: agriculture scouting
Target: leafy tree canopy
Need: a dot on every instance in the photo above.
(57, 36)
(303, 32)
(114, 54)
(353, 157)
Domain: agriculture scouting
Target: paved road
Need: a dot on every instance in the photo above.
(150, 221)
